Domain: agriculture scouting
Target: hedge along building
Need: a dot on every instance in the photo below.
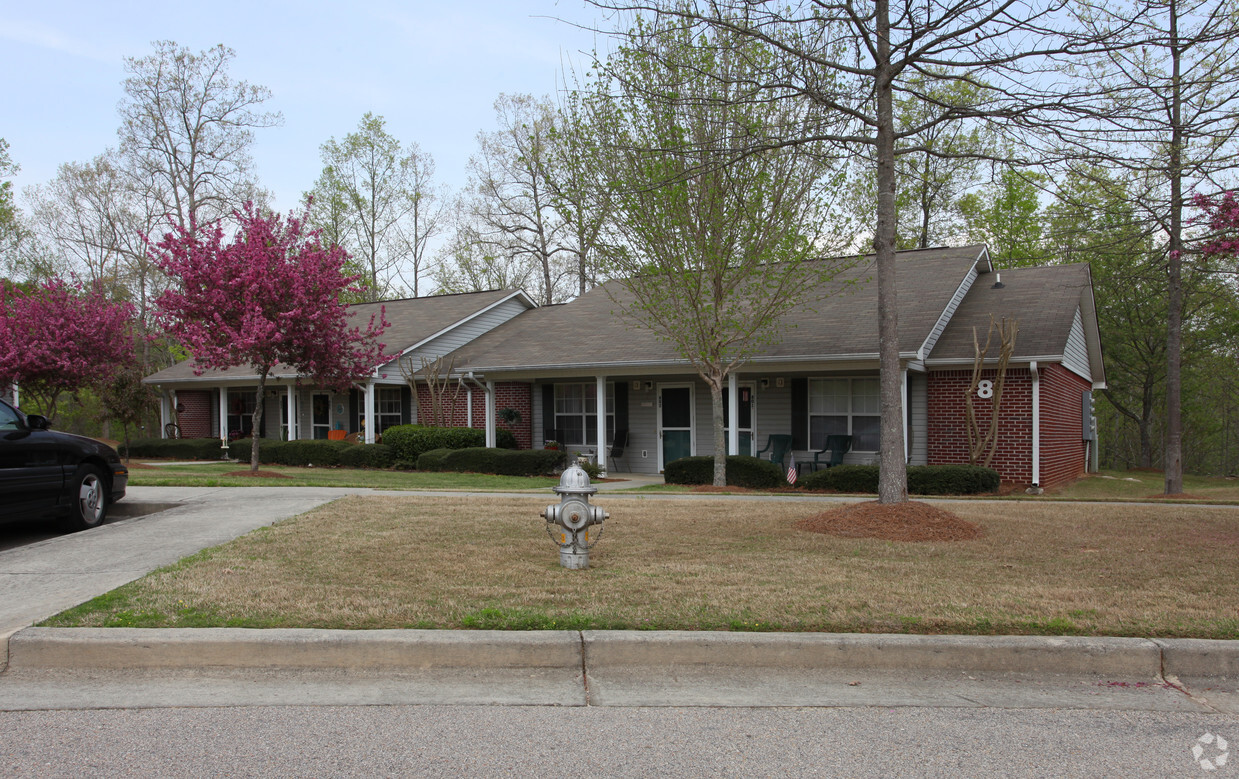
(822, 376)
(221, 403)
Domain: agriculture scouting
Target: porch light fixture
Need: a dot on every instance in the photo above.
(636, 384)
(765, 383)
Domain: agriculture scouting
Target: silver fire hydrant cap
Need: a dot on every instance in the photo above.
(574, 481)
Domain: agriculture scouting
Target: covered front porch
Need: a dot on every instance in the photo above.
(651, 420)
(290, 411)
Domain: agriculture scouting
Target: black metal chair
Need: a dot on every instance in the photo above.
(618, 444)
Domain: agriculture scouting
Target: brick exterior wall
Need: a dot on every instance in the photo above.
(1063, 449)
(508, 394)
(948, 432)
(195, 419)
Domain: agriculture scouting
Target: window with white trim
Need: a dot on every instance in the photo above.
(576, 413)
(386, 407)
(845, 407)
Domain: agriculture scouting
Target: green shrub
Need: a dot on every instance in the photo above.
(366, 456)
(432, 460)
(952, 479)
(843, 478)
(174, 448)
(408, 442)
(504, 439)
(922, 479)
(315, 452)
(742, 471)
(505, 462)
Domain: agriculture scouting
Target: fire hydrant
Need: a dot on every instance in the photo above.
(573, 524)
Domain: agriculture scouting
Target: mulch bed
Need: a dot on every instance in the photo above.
(259, 474)
(910, 521)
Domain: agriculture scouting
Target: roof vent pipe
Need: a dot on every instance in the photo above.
(998, 284)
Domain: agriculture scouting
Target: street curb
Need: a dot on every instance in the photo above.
(192, 648)
(1128, 657)
(1197, 657)
(243, 648)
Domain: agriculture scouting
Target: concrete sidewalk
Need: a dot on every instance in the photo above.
(86, 668)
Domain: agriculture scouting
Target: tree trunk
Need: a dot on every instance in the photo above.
(258, 404)
(1174, 325)
(893, 474)
(715, 381)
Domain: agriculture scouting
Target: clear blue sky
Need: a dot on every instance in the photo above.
(432, 69)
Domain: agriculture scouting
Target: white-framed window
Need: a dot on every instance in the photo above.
(386, 407)
(845, 407)
(576, 413)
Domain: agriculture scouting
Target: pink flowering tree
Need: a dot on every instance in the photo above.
(58, 338)
(270, 295)
(1222, 215)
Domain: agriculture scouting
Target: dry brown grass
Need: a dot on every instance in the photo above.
(706, 564)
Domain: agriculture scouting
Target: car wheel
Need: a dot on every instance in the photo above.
(89, 506)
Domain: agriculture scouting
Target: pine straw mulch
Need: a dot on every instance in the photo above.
(259, 474)
(910, 521)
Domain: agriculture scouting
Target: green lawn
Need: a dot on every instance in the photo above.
(215, 475)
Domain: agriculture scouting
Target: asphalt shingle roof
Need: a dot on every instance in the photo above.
(1042, 300)
(413, 320)
(592, 330)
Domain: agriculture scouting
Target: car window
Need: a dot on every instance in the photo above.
(9, 420)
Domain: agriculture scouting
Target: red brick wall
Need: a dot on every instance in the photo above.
(195, 419)
(1063, 450)
(947, 423)
(517, 395)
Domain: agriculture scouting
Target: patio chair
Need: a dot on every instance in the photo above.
(837, 445)
(778, 445)
(618, 444)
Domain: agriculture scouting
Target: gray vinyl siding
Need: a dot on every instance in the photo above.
(1075, 354)
(918, 407)
(464, 333)
(949, 312)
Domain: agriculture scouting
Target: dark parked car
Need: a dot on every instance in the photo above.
(48, 474)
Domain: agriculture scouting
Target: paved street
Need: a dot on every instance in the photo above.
(493, 741)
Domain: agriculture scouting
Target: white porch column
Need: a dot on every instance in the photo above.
(369, 411)
(292, 414)
(223, 415)
(903, 403)
(600, 383)
(490, 414)
(165, 413)
(468, 406)
(16, 398)
(733, 413)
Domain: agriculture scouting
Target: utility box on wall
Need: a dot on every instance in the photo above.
(1087, 420)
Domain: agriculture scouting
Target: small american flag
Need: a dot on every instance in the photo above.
(791, 471)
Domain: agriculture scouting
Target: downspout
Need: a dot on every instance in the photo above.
(488, 390)
(1035, 489)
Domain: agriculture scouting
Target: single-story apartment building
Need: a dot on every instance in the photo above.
(558, 365)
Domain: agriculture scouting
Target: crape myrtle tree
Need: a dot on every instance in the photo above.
(709, 228)
(860, 60)
(57, 338)
(270, 295)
